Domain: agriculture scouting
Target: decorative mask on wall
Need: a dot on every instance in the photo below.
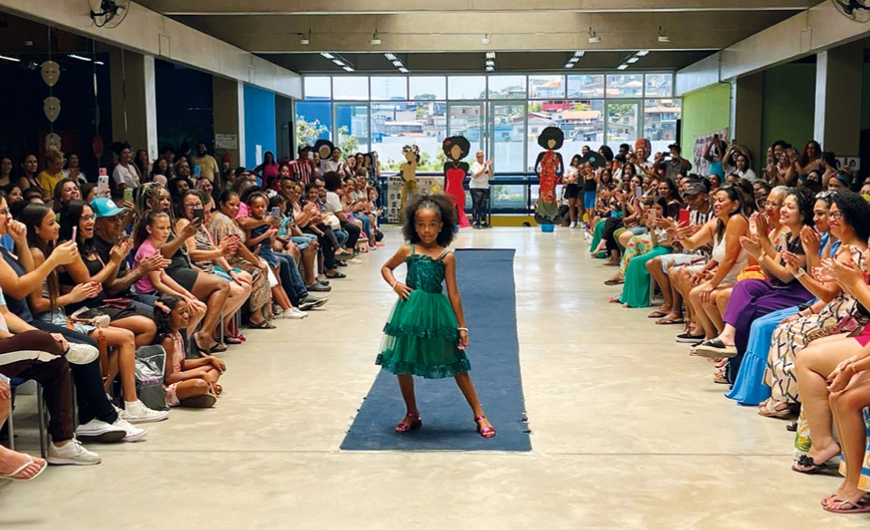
(50, 72)
(51, 107)
(52, 141)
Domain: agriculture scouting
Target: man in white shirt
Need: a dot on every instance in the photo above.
(208, 166)
(481, 172)
(125, 173)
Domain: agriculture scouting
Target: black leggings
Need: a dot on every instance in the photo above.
(353, 232)
(328, 245)
(611, 225)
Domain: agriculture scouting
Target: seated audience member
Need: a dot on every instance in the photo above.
(126, 174)
(332, 183)
(47, 304)
(222, 225)
(188, 382)
(700, 287)
(29, 168)
(66, 190)
(159, 172)
(77, 219)
(53, 172)
(754, 298)
(98, 421)
(210, 258)
(659, 267)
(304, 248)
(208, 289)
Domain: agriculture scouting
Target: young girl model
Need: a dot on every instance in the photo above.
(426, 334)
(188, 382)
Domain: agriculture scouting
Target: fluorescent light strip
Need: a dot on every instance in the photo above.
(79, 57)
(622, 67)
(390, 56)
(633, 60)
(643, 53)
(7, 58)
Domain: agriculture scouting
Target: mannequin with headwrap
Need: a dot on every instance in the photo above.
(408, 171)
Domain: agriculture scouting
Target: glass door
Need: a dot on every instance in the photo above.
(507, 139)
(623, 122)
(468, 119)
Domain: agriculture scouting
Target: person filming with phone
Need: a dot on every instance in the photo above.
(673, 163)
(481, 172)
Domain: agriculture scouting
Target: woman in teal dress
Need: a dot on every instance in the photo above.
(426, 334)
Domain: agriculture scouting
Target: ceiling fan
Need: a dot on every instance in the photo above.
(108, 13)
(857, 10)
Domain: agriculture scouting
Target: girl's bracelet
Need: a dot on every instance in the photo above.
(395, 283)
(463, 329)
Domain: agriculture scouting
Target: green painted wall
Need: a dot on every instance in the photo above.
(788, 104)
(704, 111)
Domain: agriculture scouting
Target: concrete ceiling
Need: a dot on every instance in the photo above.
(534, 28)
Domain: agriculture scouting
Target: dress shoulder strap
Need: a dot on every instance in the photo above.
(412, 249)
(446, 251)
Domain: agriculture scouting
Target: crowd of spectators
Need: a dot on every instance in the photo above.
(765, 277)
(164, 252)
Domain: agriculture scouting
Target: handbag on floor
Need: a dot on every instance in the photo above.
(150, 370)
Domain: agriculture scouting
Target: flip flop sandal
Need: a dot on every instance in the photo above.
(614, 300)
(719, 377)
(218, 348)
(233, 340)
(338, 275)
(262, 325)
(846, 506)
(13, 476)
(657, 314)
(669, 321)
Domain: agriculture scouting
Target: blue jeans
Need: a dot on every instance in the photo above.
(291, 280)
(342, 236)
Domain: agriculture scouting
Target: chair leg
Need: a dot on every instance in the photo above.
(43, 430)
(11, 426)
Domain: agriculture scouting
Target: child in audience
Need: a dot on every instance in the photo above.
(188, 382)
(426, 334)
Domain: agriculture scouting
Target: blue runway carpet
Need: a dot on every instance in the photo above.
(486, 283)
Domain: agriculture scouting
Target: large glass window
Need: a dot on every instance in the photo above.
(389, 88)
(428, 87)
(352, 127)
(660, 122)
(546, 86)
(659, 85)
(466, 87)
(586, 86)
(350, 87)
(507, 87)
(625, 86)
(317, 87)
(500, 114)
(313, 122)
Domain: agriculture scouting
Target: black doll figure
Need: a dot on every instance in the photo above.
(549, 167)
(455, 170)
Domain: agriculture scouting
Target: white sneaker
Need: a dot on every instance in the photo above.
(71, 454)
(573, 224)
(100, 431)
(134, 434)
(137, 412)
(81, 353)
(355, 261)
(294, 313)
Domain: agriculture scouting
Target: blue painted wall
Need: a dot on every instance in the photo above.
(259, 123)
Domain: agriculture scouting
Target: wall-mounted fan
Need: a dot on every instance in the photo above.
(108, 13)
(857, 10)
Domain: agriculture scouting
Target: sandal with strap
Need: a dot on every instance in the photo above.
(486, 432)
(772, 409)
(14, 475)
(810, 465)
(846, 506)
(416, 424)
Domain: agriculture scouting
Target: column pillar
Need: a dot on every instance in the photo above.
(134, 100)
(229, 116)
(746, 110)
(839, 76)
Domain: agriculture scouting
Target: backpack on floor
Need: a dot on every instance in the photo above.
(150, 370)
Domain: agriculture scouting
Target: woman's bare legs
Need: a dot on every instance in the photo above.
(701, 317)
(847, 407)
(467, 388)
(124, 343)
(143, 328)
(654, 266)
(11, 460)
(812, 367)
(406, 386)
(213, 291)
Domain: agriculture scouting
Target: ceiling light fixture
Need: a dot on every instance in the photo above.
(490, 55)
(663, 36)
(643, 53)
(99, 63)
(390, 56)
(403, 70)
(593, 37)
(579, 53)
(338, 62)
(397, 63)
(575, 58)
(327, 55)
(348, 69)
(7, 58)
(485, 40)
(376, 39)
(622, 67)
(633, 60)
(79, 57)
(569, 65)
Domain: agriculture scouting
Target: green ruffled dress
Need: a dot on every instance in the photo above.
(422, 337)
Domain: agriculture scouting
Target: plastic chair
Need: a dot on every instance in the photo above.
(41, 413)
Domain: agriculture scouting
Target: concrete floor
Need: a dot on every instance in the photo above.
(628, 431)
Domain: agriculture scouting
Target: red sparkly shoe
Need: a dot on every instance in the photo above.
(486, 432)
(416, 424)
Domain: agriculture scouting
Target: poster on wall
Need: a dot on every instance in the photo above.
(850, 163)
(699, 165)
(394, 193)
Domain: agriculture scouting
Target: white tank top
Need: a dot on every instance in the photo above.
(718, 256)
